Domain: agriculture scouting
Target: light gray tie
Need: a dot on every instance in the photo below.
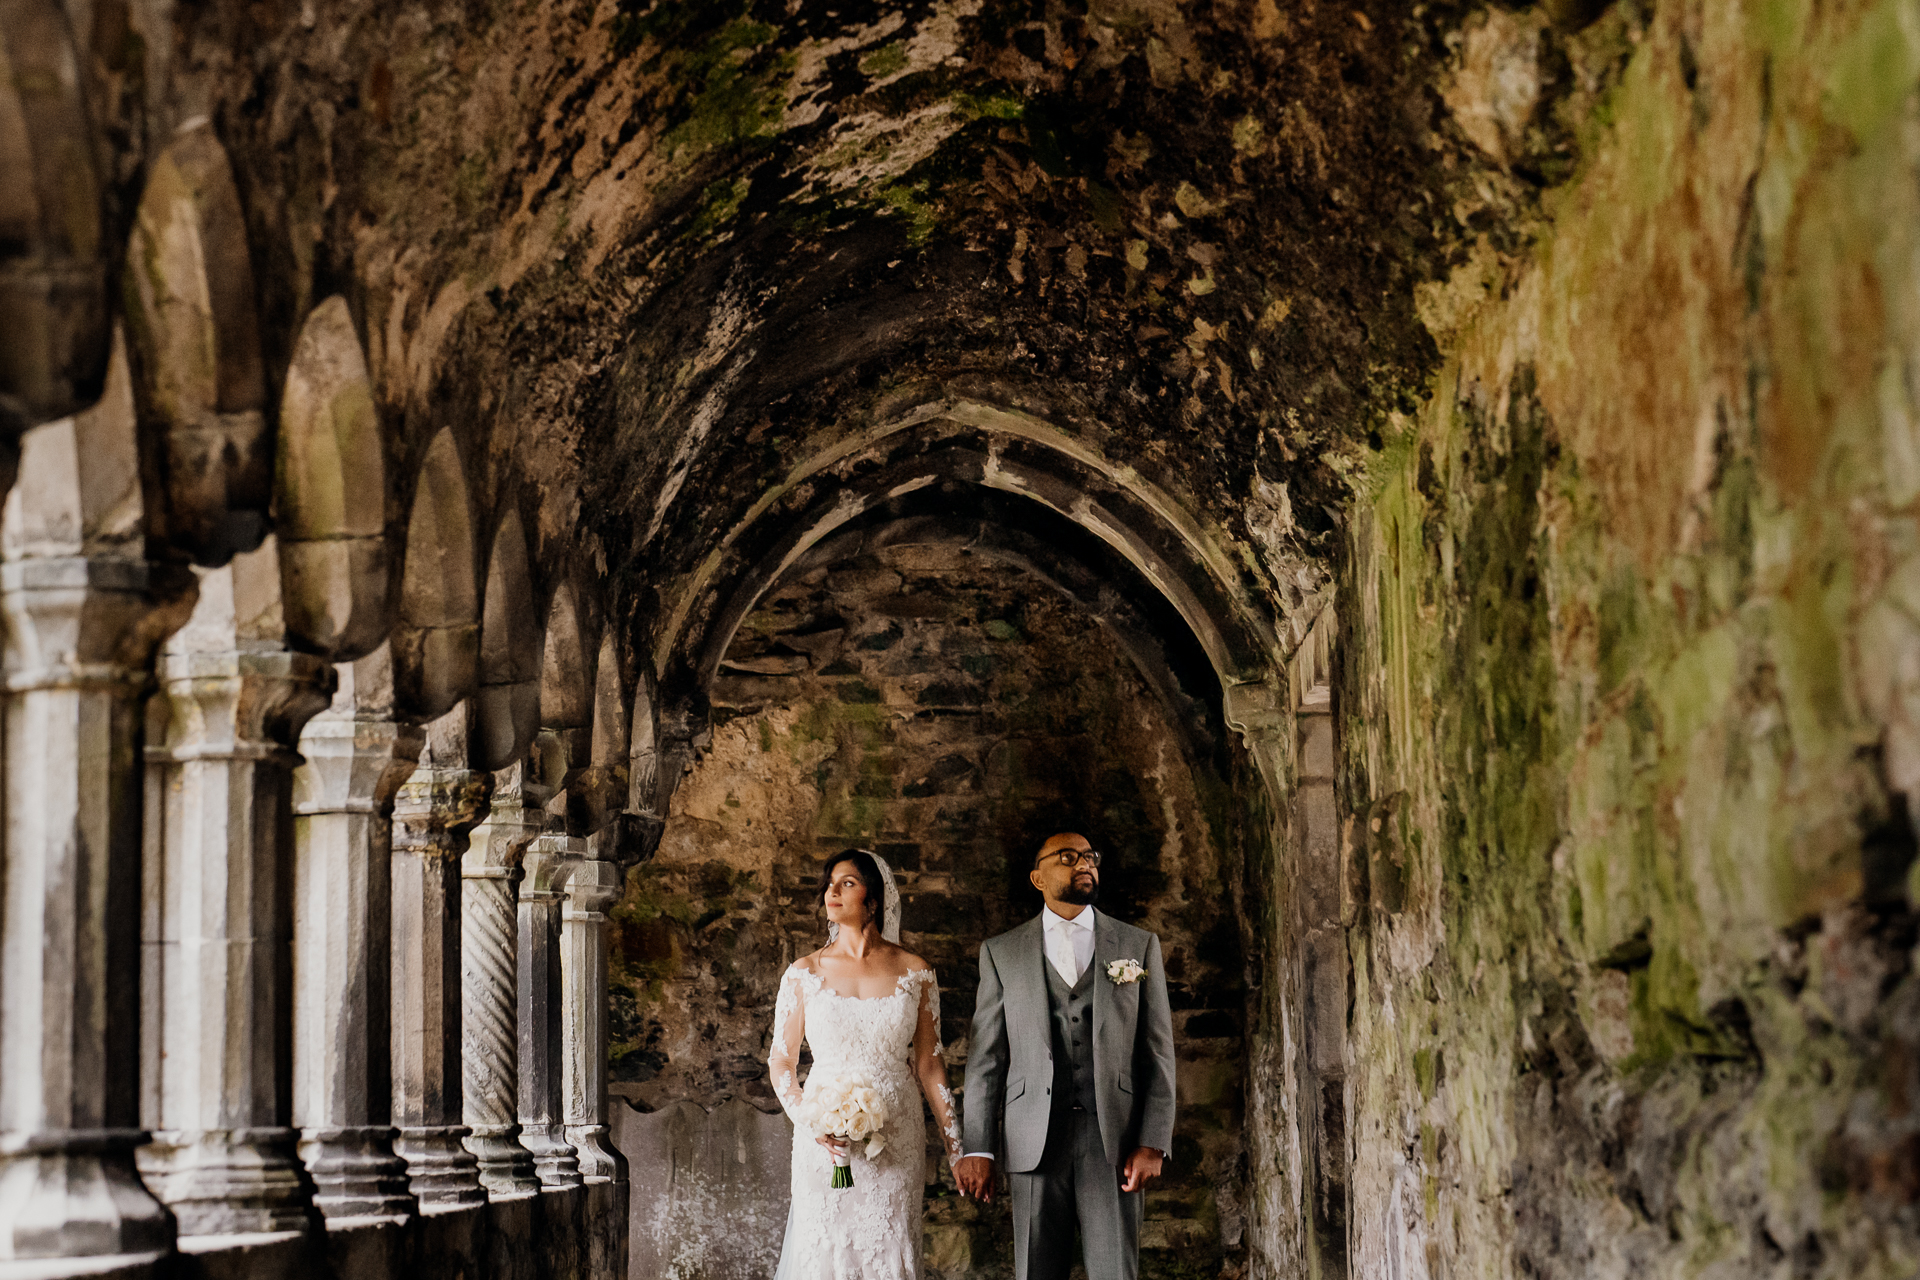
(1082, 939)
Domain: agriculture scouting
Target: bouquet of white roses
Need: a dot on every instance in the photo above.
(847, 1108)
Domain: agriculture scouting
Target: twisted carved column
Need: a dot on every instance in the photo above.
(591, 889)
(548, 862)
(357, 756)
(218, 1018)
(433, 814)
(489, 982)
(80, 631)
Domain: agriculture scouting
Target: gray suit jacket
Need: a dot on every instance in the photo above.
(1010, 1060)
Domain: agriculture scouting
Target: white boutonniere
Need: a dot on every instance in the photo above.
(1122, 972)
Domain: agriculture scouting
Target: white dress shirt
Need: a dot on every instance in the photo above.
(1069, 945)
(1069, 942)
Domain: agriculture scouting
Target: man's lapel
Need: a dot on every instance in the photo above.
(1106, 949)
(1032, 959)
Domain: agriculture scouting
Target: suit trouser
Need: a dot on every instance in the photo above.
(1074, 1183)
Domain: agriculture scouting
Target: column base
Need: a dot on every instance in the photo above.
(595, 1153)
(442, 1173)
(554, 1161)
(356, 1174)
(222, 1182)
(506, 1167)
(76, 1194)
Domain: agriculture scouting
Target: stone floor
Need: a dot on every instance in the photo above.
(710, 1201)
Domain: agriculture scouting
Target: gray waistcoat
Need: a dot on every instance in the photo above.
(1072, 1010)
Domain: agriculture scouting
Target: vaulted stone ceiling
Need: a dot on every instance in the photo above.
(654, 254)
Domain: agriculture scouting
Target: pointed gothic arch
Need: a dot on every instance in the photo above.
(1148, 536)
(53, 276)
(330, 493)
(507, 702)
(436, 643)
(195, 331)
(610, 740)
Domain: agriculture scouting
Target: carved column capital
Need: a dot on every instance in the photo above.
(591, 889)
(88, 622)
(353, 763)
(514, 820)
(436, 808)
(547, 863)
(1262, 715)
(238, 705)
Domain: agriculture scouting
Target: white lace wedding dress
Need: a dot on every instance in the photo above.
(871, 1230)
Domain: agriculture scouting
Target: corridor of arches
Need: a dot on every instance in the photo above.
(496, 493)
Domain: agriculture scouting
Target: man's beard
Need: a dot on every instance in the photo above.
(1080, 897)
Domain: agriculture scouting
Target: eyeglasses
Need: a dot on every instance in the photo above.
(1072, 857)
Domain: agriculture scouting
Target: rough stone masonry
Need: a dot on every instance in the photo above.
(1432, 485)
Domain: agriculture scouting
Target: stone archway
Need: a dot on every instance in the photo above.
(947, 676)
(1148, 531)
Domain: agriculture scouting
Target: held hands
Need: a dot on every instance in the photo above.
(836, 1147)
(975, 1176)
(1142, 1166)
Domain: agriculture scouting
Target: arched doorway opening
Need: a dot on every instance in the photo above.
(947, 672)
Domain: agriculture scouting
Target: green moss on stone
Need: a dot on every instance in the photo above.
(909, 201)
(884, 61)
(718, 204)
(733, 97)
(990, 106)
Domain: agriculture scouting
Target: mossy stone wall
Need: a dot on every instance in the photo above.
(1625, 703)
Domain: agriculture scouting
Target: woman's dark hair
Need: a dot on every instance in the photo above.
(869, 872)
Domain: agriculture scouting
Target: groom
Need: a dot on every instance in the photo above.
(1073, 1042)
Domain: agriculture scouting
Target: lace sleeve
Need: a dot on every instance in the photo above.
(789, 1027)
(931, 1069)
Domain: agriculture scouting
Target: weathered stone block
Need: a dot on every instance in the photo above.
(709, 1189)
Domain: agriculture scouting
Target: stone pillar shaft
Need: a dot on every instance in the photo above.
(489, 981)
(434, 812)
(542, 1113)
(342, 1086)
(217, 1020)
(79, 632)
(591, 889)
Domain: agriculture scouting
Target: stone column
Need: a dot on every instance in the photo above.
(217, 1022)
(549, 860)
(1321, 944)
(489, 986)
(433, 815)
(591, 889)
(357, 755)
(80, 631)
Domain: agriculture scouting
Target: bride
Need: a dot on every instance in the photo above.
(869, 1010)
